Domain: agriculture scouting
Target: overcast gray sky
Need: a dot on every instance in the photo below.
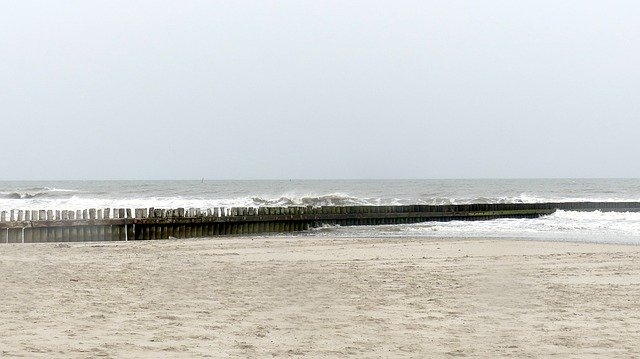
(319, 89)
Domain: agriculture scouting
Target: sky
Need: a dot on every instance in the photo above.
(157, 89)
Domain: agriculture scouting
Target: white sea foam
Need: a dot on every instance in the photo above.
(53, 189)
(13, 200)
(73, 200)
(593, 226)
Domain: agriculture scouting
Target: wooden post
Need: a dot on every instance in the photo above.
(207, 231)
(28, 235)
(189, 230)
(295, 215)
(288, 226)
(279, 211)
(56, 234)
(164, 232)
(125, 213)
(180, 229)
(72, 231)
(39, 234)
(152, 226)
(100, 229)
(245, 224)
(84, 233)
(155, 230)
(58, 230)
(140, 229)
(121, 229)
(268, 226)
(217, 229)
(108, 233)
(129, 234)
(11, 235)
(171, 229)
(260, 224)
(233, 227)
(65, 230)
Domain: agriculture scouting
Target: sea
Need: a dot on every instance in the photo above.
(605, 227)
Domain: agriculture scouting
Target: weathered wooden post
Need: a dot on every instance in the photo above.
(215, 225)
(128, 227)
(26, 216)
(12, 235)
(72, 232)
(153, 228)
(5, 233)
(115, 228)
(233, 225)
(122, 230)
(64, 216)
(244, 227)
(197, 228)
(295, 224)
(93, 231)
(164, 232)
(182, 228)
(100, 228)
(255, 225)
(51, 236)
(138, 228)
(284, 213)
(40, 234)
(171, 227)
(57, 231)
(28, 234)
(157, 215)
(259, 212)
(272, 225)
(187, 225)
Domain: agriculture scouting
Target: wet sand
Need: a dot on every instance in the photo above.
(319, 297)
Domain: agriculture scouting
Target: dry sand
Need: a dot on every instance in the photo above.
(319, 297)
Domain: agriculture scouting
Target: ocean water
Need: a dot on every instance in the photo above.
(562, 225)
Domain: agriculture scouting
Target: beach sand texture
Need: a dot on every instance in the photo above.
(319, 297)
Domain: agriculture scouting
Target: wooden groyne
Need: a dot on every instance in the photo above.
(32, 226)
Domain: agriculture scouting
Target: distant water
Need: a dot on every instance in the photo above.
(590, 226)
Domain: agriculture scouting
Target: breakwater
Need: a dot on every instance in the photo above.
(33, 226)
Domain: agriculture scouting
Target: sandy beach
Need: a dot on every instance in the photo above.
(320, 297)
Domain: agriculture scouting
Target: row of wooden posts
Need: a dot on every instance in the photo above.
(30, 226)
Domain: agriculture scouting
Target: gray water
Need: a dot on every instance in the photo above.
(592, 226)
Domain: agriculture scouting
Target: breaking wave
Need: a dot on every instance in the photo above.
(334, 199)
(36, 192)
(20, 195)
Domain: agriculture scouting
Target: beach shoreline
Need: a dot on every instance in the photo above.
(279, 296)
